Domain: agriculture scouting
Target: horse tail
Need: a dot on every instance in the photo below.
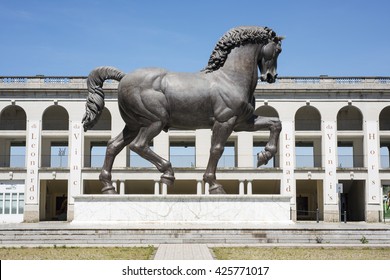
(95, 100)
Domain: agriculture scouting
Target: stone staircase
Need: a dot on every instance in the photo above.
(40, 236)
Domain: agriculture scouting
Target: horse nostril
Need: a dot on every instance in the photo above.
(270, 78)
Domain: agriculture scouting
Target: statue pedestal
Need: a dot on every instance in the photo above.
(188, 209)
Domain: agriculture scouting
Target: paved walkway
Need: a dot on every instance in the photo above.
(183, 252)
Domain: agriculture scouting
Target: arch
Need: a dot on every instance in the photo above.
(307, 118)
(13, 117)
(55, 117)
(349, 118)
(384, 119)
(104, 122)
(266, 111)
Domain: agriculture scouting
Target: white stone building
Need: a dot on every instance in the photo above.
(336, 130)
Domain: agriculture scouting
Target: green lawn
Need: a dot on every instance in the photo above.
(321, 253)
(77, 253)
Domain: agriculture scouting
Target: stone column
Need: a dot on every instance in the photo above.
(202, 147)
(121, 187)
(31, 211)
(75, 184)
(287, 143)
(161, 145)
(249, 187)
(373, 185)
(199, 187)
(206, 188)
(164, 189)
(331, 200)
(245, 149)
(241, 188)
(156, 187)
(115, 185)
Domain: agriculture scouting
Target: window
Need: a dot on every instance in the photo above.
(104, 122)
(98, 153)
(1, 203)
(59, 154)
(384, 154)
(228, 158)
(139, 162)
(13, 118)
(349, 118)
(350, 153)
(345, 155)
(11, 203)
(55, 118)
(17, 154)
(307, 118)
(304, 153)
(21, 203)
(7, 203)
(182, 154)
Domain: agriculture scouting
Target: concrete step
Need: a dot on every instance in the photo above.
(15, 236)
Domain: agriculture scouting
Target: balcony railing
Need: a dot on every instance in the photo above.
(80, 81)
(189, 161)
(183, 161)
(350, 161)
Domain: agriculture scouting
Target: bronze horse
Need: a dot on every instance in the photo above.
(219, 97)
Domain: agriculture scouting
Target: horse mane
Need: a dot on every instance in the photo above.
(235, 37)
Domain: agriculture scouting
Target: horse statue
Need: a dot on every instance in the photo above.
(219, 97)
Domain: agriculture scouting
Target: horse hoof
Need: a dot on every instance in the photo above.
(217, 190)
(261, 159)
(110, 190)
(167, 179)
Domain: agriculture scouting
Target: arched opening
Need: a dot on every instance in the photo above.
(384, 119)
(349, 118)
(13, 117)
(307, 118)
(104, 122)
(266, 111)
(55, 118)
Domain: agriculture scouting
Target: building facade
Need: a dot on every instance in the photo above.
(333, 158)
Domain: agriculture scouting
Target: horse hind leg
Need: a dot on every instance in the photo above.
(114, 146)
(140, 145)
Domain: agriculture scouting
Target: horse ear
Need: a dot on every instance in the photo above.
(279, 38)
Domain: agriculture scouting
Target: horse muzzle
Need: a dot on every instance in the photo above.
(269, 78)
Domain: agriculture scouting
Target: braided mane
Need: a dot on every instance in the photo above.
(236, 37)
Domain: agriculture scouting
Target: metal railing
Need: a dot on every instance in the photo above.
(297, 80)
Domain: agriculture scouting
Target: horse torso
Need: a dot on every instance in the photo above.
(191, 100)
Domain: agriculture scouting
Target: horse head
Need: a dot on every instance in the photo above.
(267, 60)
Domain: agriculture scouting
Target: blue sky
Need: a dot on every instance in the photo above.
(332, 37)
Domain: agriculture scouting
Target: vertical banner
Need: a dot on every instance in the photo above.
(32, 165)
(75, 160)
(330, 182)
(372, 148)
(287, 141)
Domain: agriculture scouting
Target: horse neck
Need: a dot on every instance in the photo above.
(241, 66)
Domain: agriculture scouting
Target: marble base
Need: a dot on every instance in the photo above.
(181, 208)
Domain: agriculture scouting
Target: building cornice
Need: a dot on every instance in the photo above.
(375, 87)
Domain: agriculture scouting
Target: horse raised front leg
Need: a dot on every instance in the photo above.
(140, 145)
(221, 132)
(275, 127)
(260, 123)
(114, 146)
